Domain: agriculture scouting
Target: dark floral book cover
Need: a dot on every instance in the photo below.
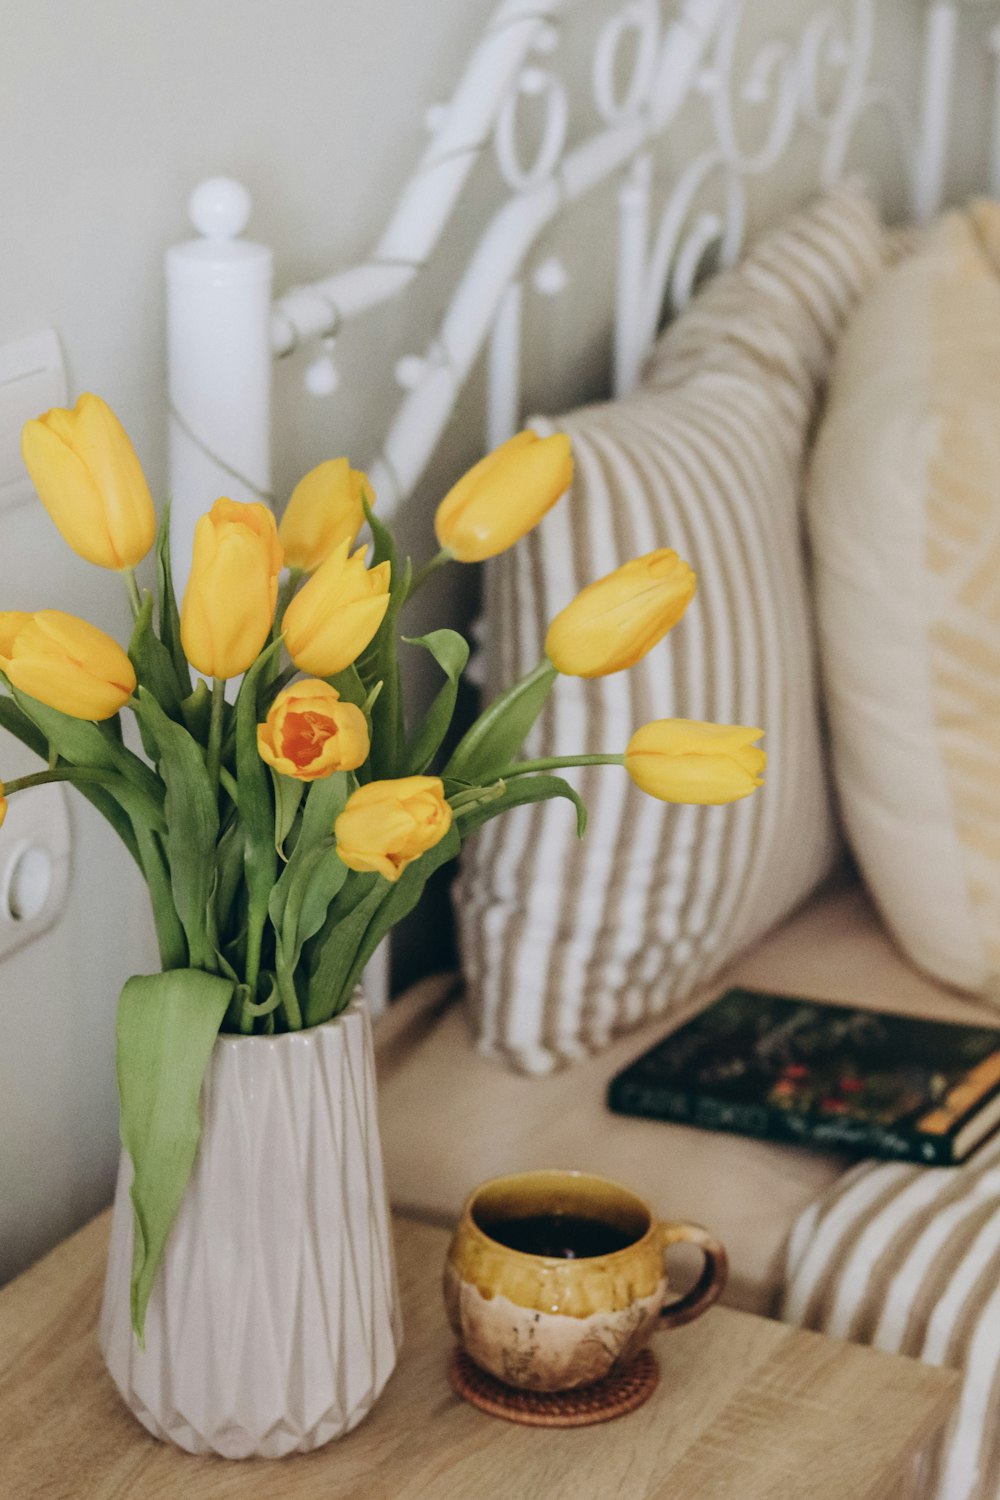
(822, 1075)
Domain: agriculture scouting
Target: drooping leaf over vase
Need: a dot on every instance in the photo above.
(285, 827)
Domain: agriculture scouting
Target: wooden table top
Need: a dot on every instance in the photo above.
(745, 1408)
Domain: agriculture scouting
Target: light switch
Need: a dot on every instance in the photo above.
(34, 864)
(32, 378)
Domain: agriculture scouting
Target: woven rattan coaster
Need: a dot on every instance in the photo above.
(614, 1397)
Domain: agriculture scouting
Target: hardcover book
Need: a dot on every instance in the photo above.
(822, 1075)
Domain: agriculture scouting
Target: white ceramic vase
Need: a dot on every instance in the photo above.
(274, 1320)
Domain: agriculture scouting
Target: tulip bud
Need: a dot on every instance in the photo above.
(335, 616)
(91, 483)
(388, 824)
(309, 733)
(611, 624)
(682, 760)
(232, 589)
(325, 510)
(65, 663)
(504, 496)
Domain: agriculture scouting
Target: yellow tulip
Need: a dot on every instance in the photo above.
(388, 824)
(325, 510)
(232, 589)
(611, 624)
(309, 733)
(682, 760)
(91, 483)
(65, 663)
(335, 616)
(3, 804)
(504, 496)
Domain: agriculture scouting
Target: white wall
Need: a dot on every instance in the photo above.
(112, 111)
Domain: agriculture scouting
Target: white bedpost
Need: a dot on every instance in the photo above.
(935, 108)
(219, 356)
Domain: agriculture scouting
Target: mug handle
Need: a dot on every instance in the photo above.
(710, 1284)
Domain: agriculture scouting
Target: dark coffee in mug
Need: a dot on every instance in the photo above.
(559, 1236)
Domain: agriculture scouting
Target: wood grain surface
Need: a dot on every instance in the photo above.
(746, 1408)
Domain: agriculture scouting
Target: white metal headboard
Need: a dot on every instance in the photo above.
(225, 329)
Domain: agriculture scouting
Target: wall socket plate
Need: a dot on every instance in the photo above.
(34, 864)
(32, 378)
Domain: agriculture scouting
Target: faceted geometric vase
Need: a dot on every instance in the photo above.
(274, 1320)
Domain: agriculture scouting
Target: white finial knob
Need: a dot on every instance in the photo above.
(550, 277)
(410, 371)
(322, 377)
(220, 208)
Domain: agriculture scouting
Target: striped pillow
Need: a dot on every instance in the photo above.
(904, 512)
(908, 1259)
(565, 943)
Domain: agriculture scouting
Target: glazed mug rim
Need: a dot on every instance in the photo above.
(469, 1220)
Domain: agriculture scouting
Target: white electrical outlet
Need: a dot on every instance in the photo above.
(32, 378)
(34, 865)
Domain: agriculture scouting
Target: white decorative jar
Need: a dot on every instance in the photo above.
(274, 1321)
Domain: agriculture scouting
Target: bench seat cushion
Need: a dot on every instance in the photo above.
(451, 1118)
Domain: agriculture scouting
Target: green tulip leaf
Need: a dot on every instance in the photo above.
(170, 624)
(335, 948)
(349, 685)
(288, 791)
(192, 816)
(196, 711)
(14, 719)
(399, 900)
(154, 668)
(323, 805)
(517, 793)
(167, 1026)
(451, 652)
(495, 738)
(318, 877)
(228, 873)
(82, 743)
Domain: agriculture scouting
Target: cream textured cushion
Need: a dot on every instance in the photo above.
(904, 512)
(566, 943)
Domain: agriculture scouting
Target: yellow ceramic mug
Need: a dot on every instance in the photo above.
(543, 1320)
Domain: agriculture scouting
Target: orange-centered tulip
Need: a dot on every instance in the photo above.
(504, 496)
(310, 733)
(232, 589)
(325, 510)
(388, 824)
(335, 616)
(611, 624)
(65, 663)
(88, 478)
(682, 760)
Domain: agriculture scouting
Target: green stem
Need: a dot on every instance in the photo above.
(256, 917)
(559, 763)
(228, 783)
(214, 754)
(289, 1001)
(424, 572)
(134, 597)
(42, 778)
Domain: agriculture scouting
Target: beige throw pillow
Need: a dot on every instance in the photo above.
(565, 943)
(904, 512)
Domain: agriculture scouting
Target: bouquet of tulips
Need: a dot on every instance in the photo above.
(283, 833)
